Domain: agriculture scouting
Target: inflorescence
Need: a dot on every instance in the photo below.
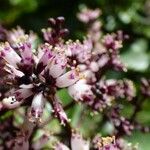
(32, 75)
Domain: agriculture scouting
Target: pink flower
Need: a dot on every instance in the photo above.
(81, 90)
(18, 35)
(86, 15)
(36, 76)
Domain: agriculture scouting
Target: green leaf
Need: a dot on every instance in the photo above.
(136, 58)
(142, 139)
(64, 96)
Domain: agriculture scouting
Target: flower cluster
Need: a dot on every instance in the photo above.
(110, 143)
(32, 75)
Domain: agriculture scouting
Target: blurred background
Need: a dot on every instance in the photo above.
(131, 16)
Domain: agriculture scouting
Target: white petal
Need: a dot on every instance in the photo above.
(22, 94)
(103, 60)
(28, 86)
(82, 67)
(19, 94)
(46, 53)
(94, 66)
(37, 107)
(58, 65)
(26, 50)
(12, 70)
(80, 90)
(45, 59)
(89, 75)
(9, 55)
(68, 79)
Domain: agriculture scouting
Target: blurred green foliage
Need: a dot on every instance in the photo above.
(131, 16)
